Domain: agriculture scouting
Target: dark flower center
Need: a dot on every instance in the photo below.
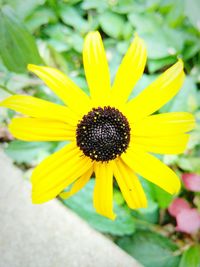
(103, 134)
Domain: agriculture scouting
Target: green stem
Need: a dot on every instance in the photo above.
(145, 223)
(6, 89)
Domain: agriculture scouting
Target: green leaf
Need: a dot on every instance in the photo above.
(29, 152)
(24, 8)
(82, 204)
(17, 46)
(59, 36)
(192, 47)
(176, 15)
(112, 24)
(164, 42)
(191, 257)
(127, 6)
(151, 249)
(192, 10)
(95, 4)
(70, 16)
(189, 163)
(161, 40)
(166, 6)
(152, 5)
(142, 84)
(71, 2)
(157, 64)
(127, 31)
(151, 213)
(57, 59)
(162, 197)
(145, 22)
(81, 82)
(39, 17)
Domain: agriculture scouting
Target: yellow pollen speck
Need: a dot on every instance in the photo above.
(84, 127)
(95, 156)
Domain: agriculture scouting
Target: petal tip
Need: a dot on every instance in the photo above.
(4, 102)
(180, 63)
(141, 41)
(145, 203)
(64, 195)
(34, 68)
(39, 198)
(112, 216)
(36, 200)
(31, 67)
(10, 125)
(177, 188)
(93, 34)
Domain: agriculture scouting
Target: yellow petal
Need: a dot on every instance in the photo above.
(96, 68)
(165, 124)
(61, 85)
(103, 190)
(39, 108)
(158, 93)
(57, 172)
(130, 186)
(130, 71)
(33, 129)
(163, 144)
(78, 185)
(152, 169)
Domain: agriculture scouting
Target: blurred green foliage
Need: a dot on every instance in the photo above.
(191, 257)
(151, 249)
(122, 225)
(51, 32)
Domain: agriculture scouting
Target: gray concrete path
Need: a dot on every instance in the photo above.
(47, 235)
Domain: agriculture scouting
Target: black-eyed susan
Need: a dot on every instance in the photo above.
(108, 134)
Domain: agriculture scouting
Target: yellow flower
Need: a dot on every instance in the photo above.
(108, 134)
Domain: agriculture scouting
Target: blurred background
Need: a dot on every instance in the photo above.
(51, 32)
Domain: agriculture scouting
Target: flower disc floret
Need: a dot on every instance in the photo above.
(103, 134)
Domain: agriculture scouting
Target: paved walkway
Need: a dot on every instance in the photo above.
(47, 235)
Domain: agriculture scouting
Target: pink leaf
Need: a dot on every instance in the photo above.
(188, 221)
(191, 181)
(177, 206)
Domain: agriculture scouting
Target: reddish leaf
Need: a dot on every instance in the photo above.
(177, 206)
(191, 181)
(188, 221)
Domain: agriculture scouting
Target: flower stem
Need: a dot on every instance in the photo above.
(6, 89)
